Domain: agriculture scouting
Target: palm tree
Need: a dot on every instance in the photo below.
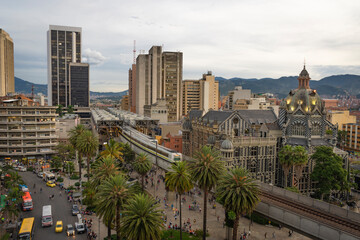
(113, 150)
(88, 145)
(142, 166)
(112, 194)
(206, 168)
(286, 160)
(60, 110)
(70, 109)
(239, 193)
(142, 218)
(300, 159)
(178, 179)
(103, 169)
(74, 136)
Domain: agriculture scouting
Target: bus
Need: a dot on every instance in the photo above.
(27, 204)
(27, 229)
(46, 219)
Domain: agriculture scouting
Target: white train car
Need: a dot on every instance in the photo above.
(148, 144)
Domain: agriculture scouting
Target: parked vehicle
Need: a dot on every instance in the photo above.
(26, 231)
(46, 219)
(27, 203)
(75, 210)
(70, 230)
(40, 174)
(48, 176)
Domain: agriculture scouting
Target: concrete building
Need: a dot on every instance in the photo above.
(173, 142)
(79, 84)
(7, 80)
(157, 111)
(352, 141)
(201, 94)
(172, 69)
(340, 118)
(132, 88)
(159, 76)
(27, 131)
(331, 103)
(63, 48)
(64, 125)
(125, 105)
(237, 93)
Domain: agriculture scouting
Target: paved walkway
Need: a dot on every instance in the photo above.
(215, 217)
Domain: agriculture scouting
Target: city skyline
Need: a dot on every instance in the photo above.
(247, 39)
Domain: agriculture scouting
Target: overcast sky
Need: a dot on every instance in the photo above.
(242, 38)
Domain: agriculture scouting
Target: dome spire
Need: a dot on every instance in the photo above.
(304, 79)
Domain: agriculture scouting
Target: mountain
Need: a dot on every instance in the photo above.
(328, 86)
(23, 86)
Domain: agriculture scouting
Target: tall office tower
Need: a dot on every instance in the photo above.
(200, 94)
(7, 81)
(159, 76)
(64, 47)
(148, 78)
(132, 88)
(172, 66)
(79, 85)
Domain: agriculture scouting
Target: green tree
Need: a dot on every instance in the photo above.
(286, 160)
(206, 168)
(341, 138)
(142, 166)
(142, 218)
(128, 153)
(65, 151)
(13, 198)
(112, 194)
(56, 162)
(300, 159)
(74, 136)
(178, 179)
(88, 145)
(239, 193)
(328, 171)
(113, 149)
(103, 169)
(69, 167)
(70, 109)
(60, 110)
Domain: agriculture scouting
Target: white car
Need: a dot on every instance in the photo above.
(22, 169)
(40, 174)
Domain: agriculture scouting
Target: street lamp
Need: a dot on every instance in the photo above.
(155, 167)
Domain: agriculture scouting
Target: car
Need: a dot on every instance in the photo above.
(50, 184)
(59, 226)
(40, 175)
(80, 227)
(75, 210)
(70, 230)
(22, 169)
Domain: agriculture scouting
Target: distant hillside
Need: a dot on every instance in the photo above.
(329, 86)
(23, 86)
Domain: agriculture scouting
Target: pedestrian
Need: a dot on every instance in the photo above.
(194, 220)
(40, 190)
(218, 217)
(273, 235)
(265, 234)
(60, 193)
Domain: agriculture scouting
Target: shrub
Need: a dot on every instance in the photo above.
(200, 233)
(71, 187)
(77, 184)
(59, 179)
(74, 177)
(30, 169)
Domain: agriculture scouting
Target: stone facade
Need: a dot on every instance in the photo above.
(237, 135)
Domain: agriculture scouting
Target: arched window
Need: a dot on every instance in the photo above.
(298, 129)
(315, 129)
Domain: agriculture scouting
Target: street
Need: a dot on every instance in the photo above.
(61, 208)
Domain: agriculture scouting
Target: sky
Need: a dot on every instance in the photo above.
(242, 38)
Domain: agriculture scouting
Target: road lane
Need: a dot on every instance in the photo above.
(61, 208)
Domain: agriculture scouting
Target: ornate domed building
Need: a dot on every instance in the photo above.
(302, 120)
(302, 117)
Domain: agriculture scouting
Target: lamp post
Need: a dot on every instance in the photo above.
(155, 168)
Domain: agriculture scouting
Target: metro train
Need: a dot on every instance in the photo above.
(148, 144)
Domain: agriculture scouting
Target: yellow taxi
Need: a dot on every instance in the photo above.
(59, 226)
(50, 184)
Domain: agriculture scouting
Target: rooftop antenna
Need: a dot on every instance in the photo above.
(134, 52)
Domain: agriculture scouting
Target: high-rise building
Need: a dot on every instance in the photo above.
(132, 88)
(7, 81)
(64, 47)
(201, 94)
(159, 76)
(79, 89)
(171, 79)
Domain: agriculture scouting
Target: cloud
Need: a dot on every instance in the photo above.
(93, 57)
